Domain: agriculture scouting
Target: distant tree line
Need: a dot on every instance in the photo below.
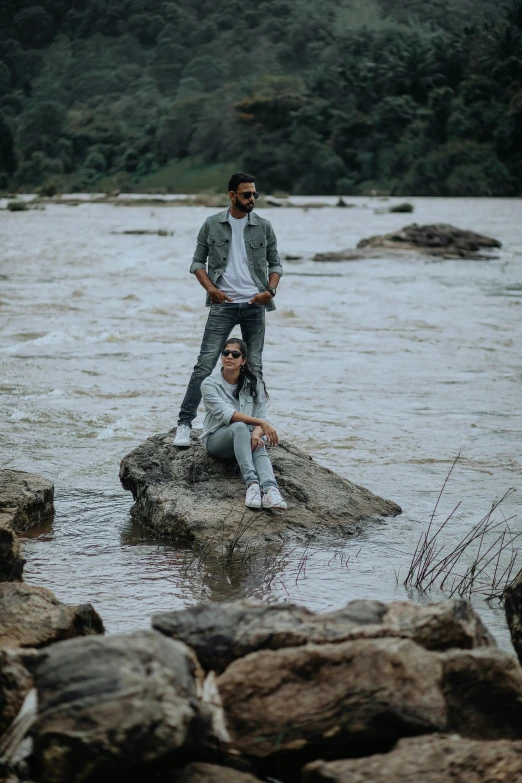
(407, 96)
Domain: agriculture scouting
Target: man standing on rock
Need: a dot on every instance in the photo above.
(237, 263)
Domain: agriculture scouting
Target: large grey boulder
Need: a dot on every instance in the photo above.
(221, 633)
(187, 494)
(28, 497)
(428, 759)
(32, 616)
(117, 703)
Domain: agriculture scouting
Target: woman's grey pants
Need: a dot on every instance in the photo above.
(234, 440)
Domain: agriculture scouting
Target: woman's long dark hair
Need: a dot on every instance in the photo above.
(246, 373)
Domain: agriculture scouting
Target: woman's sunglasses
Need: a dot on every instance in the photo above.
(233, 354)
(248, 194)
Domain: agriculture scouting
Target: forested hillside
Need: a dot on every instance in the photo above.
(403, 96)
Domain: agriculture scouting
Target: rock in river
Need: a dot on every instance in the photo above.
(187, 494)
(221, 633)
(438, 239)
(25, 500)
(27, 497)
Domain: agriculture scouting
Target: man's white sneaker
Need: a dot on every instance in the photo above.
(182, 438)
(272, 499)
(253, 496)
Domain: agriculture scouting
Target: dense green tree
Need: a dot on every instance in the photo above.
(7, 148)
(404, 95)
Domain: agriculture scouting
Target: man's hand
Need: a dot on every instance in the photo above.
(218, 297)
(261, 299)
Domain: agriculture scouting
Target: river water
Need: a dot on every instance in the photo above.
(383, 370)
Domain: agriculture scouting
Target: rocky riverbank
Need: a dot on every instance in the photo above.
(246, 691)
(189, 495)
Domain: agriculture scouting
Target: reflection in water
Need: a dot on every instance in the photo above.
(383, 369)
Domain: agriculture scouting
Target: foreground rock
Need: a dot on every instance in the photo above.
(513, 607)
(187, 494)
(118, 703)
(326, 698)
(15, 682)
(199, 772)
(221, 633)
(483, 693)
(357, 698)
(430, 759)
(27, 498)
(440, 240)
(33, 617)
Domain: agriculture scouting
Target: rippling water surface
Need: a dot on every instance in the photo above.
(382, 369)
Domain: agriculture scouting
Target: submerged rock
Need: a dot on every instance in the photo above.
(438, 239)
(33, 617)
(221, 633)
(123, 702)
(429, 759)
(187, 494)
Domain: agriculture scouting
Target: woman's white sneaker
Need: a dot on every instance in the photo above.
(253, 496)
(272, 498)
(182, 437)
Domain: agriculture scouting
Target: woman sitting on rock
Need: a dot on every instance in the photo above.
(236, 424)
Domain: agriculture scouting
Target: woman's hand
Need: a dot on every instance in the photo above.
(271, 434)
(255, 440)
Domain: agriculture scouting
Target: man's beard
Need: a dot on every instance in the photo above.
(244, 207)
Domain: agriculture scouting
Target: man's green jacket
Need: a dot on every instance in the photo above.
(261, 248)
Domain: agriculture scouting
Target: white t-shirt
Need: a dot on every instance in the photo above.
(231, 386)
(237, 281)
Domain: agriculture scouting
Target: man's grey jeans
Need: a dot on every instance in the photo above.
(234, 440)
(221, 320)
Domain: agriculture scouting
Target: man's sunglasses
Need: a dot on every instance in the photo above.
(248, 194)
(233, 354)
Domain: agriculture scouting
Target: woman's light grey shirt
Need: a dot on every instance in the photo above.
(221, 404)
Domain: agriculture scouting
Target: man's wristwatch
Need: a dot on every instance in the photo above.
(272, 290)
